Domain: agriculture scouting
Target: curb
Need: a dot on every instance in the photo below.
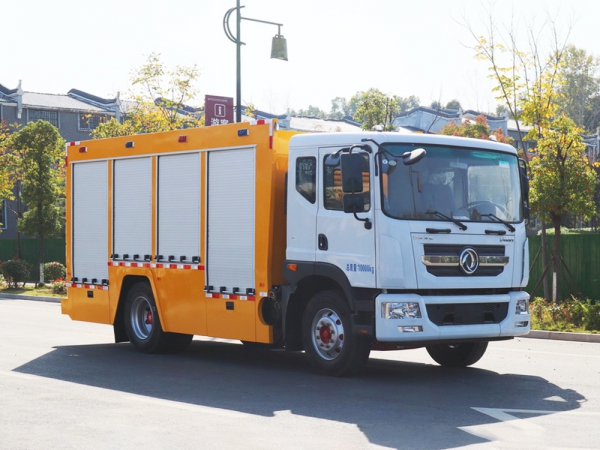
(563, 336)
(30, 297)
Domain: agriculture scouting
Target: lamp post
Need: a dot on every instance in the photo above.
(278, 50)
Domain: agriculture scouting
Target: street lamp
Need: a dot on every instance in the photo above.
(278, 50)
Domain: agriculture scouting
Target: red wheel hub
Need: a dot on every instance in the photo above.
(149, 318)
(325, 334)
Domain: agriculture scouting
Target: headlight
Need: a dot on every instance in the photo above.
(400, 310)
(522, 307)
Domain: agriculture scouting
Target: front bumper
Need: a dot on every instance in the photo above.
(405, 330)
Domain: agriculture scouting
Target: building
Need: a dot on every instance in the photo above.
(74, 114)
(428, 120)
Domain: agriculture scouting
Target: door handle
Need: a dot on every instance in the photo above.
(322, 242)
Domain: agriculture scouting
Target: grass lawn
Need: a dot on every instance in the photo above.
(30, 289)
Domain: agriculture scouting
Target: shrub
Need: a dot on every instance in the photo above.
(16, 271)
(59, 286)
(54, 271)
(571, 315)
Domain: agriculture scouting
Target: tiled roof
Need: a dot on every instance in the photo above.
(4, 98)
(7, 91)
(447, 113)
(33, 99)
(472, 112)
(93, 98)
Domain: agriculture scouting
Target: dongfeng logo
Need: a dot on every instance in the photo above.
(469, 261)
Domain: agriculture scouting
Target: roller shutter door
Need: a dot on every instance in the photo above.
(90, 221)
(179, 206)
(231, 191)
(133, 207)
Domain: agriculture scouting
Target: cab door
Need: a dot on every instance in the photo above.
(343, 239)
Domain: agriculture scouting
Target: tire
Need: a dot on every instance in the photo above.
(327, 336)
(457, 355)
(143, 326)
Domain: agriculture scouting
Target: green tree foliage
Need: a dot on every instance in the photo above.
(436, 105)
(375, 108)
(477, 130)
(562, 181)
(453, 104)
(38, 153)
(311, 111)
(502, 111)
(340, 108)
(407, 103)
(162, 98)
(6, 183)
(580, 90)
(523, 76)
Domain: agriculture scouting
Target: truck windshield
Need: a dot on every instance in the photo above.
(460, 183)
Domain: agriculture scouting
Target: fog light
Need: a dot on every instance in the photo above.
(400, 310)
(522, 307)
(414, 329)
(521, 324)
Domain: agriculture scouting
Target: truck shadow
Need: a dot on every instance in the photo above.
(394, 404)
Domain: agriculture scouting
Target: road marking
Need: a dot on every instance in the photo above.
(503, 430)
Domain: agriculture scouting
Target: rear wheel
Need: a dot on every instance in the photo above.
(327, 336)
(143, 326)
(457, 355)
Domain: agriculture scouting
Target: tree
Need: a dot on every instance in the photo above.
(340, 108)
(581, 88)
(502, 111)
(436, 105)
(40, 151)
(5, 181)
(453, 104)
(407, 103)
(314, 111)
(478, 130)
(375, 108)
(161, 98)
(561, 179)
(523, 77)
(526, 82)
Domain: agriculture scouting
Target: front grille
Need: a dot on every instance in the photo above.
(467, 313)
(455, 250)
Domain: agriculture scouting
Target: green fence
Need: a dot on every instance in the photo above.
(581, 253)
(54, 250)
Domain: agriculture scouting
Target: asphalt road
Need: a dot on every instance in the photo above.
(65, 385)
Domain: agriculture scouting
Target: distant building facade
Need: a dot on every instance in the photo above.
(74, 114)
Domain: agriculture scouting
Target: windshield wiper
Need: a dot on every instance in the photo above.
(498, 219)
(461, 225)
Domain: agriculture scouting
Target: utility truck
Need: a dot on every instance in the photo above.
(330, 243)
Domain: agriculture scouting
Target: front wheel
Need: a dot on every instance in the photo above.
(457, 355)
(327, 336)
(143, 326)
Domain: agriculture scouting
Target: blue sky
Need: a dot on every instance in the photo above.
(336, 47)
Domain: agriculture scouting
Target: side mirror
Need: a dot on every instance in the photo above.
(414, 156)
(353, 203)
(352, 170)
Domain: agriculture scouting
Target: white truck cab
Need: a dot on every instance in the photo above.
(422, 235)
